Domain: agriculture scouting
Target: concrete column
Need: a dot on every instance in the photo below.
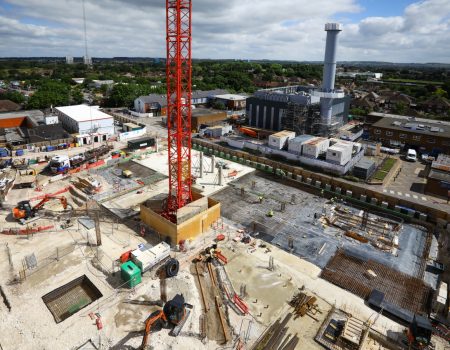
(220, 176)
(213, 164)
(201, 165)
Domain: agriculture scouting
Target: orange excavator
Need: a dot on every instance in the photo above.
(25, 211)
(174, 314)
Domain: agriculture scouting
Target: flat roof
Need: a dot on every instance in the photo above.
(338, 147)
(316, 140)
(409, 119)
(131, 125)
(301, 138)
(365, 163)
(83, 113)
(442, 163)
(34, 113)
(232, 97)
(418, 126)
(283, 133)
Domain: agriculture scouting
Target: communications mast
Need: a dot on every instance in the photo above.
(178, 75)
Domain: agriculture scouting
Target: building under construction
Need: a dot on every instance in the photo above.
(304, 109)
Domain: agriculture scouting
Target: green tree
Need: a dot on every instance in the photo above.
(219, 105)
(440, 92)
(400, 108)
(77, 96)
(14, 96)
(358, 111)
(123, 95)
(50, 93)
(446, 87)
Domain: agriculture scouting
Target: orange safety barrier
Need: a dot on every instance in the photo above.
(27, 231)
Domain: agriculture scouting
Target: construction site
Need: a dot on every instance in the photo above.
(277, 266)
(167, 247)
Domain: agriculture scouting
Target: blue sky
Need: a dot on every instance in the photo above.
(394, 30)
(380, 8)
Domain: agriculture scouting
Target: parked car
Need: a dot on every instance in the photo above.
(411, 155)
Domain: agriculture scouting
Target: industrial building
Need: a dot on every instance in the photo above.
(86, 121)
(424, 135)
(28, 127)
(304, 109)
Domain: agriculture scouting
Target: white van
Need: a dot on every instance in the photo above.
(411, 155)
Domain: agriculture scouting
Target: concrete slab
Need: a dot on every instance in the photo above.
(209, 183)
(311, 239)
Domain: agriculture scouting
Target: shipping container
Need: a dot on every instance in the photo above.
(142, 142)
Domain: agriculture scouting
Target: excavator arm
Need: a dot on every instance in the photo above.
(44, 200)
(151, 320)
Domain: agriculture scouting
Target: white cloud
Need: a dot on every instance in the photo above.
(421, 34)
(282, 29)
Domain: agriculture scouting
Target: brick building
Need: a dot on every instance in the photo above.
(438, 177)
(424, 135)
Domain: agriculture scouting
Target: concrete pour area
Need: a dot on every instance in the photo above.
(296, 227)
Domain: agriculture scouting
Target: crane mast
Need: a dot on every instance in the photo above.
(178, 75)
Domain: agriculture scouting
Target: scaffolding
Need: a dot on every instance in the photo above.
(303, 119)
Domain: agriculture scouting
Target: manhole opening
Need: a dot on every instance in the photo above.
(70, 298)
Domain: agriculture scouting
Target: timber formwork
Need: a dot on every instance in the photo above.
(401, 290)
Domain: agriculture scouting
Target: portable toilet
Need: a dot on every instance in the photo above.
(131, 274)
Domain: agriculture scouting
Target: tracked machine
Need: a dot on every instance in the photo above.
(24, 212)
(173, 315)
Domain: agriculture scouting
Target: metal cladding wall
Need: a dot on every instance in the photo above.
(265, 114)
(340, 108)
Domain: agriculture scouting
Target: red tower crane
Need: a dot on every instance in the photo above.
(178, 75)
